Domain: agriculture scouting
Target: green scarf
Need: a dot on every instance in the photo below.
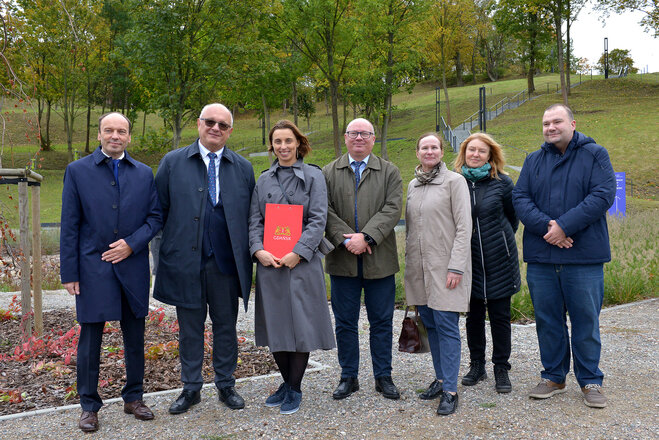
(476, 174)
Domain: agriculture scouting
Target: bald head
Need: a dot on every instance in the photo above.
(359, 138)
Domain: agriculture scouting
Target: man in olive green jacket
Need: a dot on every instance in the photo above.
(365, 201)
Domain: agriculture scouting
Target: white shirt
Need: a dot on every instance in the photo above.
(110, 157)
(204, 155)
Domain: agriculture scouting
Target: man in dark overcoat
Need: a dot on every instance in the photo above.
(110, 213)
(204, 264)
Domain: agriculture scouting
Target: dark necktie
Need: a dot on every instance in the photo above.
(212, 191)
(115, 170)
(356, 165)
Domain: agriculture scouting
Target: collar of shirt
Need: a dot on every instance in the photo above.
(362, 168)
(110, 157)
(204, 155)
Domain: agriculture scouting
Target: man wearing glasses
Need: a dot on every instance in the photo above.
(365, 200)
(204, 262)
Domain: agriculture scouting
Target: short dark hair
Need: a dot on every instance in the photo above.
(567, 109)
(100, 118)
(304, 147)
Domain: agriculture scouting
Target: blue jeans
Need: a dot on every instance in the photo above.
(379, 297)
(444, 341)
(577, 289)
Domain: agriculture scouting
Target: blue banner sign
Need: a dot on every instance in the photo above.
(619, 206)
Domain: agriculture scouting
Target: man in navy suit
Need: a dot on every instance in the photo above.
(204, 264)
(110, 213)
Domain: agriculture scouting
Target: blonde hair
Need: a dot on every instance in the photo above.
(496, 159)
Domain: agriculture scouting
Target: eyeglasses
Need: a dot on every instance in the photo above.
(364, 134)
(211, 123)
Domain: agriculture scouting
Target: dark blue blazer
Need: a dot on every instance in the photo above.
(97, 212)
(182, 183)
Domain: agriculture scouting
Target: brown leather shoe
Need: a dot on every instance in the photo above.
(138, 409)
(88, 421)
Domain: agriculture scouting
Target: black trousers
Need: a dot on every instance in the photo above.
(89, 357)
(220, 295)
(499, 312)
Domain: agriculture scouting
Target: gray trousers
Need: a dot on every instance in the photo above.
(220, 295)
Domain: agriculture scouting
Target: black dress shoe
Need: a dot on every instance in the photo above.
(386, 386)
(447, 404)
(347, 386)
(185, 401)
(231, 398)
(434, 391)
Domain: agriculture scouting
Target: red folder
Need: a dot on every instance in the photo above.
(282, 229)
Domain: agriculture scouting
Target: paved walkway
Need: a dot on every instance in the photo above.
(629, 361)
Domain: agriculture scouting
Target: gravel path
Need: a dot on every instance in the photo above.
(629, 361)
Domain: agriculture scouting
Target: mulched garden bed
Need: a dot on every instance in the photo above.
(43, 373)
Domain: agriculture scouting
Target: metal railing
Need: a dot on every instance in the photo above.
(449, 135)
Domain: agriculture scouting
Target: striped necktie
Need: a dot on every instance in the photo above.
(356, 166)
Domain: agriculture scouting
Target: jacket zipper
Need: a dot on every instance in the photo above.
(505, 242)
(480, 244)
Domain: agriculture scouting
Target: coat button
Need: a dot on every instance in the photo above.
(113, 183)
(196, 219)
(116, 231)
(200, 189)
(114, 206)
(194, 248)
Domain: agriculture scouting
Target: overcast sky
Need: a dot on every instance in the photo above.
(623, 32)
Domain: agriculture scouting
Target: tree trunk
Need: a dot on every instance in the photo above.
(266, 113)
(345, 113)
(334, 93)
(68, 113)
(49, 106)
(294, 99)
(569, 47)
(458, 70)
(448, 103)
(533, 18)
(89, 117)
(144, 124)
(327, 99)
(176, 125)
(558, 24)
(473, 65)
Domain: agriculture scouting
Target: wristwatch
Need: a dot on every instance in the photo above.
(369, 240)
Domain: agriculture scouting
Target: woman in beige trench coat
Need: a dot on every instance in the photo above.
(438, 262)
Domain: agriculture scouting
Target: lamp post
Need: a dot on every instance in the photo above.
(606, 58)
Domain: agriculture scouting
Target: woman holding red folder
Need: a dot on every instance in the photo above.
(291, 316)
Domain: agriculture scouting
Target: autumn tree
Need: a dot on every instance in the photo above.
(442, 28)
(619, 60)
(326, 33)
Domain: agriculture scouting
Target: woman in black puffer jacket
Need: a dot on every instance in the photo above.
(493, 254)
